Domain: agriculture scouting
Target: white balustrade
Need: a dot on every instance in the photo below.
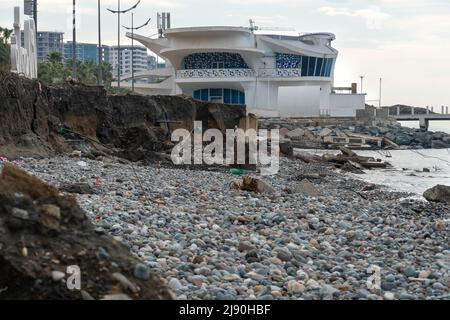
(238, 73)
(215, 73)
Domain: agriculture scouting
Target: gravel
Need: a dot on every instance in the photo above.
(209, 241)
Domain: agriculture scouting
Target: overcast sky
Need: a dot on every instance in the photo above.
(406, 42)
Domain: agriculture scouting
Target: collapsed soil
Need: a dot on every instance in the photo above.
(43, 232)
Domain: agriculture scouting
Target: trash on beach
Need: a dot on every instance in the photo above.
(82, 164)
(349, 159)
(237, 171)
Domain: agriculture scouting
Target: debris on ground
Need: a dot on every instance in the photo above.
(350, 161)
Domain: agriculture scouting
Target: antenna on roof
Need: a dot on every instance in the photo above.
(164, 22)
(253, 27)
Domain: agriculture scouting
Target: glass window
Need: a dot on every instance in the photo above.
(329, 67)
(324, 66)
(227, 96)
(319, 67)
(311, 66)
(215, 93)
(235, 97)
(241, 98)
(304, 66)
(197, 95)
(205, 95)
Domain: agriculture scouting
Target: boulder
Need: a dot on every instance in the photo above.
(325, 132)
(438, 193)
(403, 140)
(438, 144)
(296, 134)
(78, 188)
(307, 188)
(256, 185)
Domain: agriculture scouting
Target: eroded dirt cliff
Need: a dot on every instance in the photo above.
(39, 120)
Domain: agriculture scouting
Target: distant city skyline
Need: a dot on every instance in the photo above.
(406, 42)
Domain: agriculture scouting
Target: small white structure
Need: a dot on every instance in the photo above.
(24, 58)
(272, 74)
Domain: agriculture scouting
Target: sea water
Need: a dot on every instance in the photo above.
(435, 126)
(407, 172)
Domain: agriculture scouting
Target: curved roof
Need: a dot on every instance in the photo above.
(211, 49)
(326, 35)
(299, 47)
(196, 30)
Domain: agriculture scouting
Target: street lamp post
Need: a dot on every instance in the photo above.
(362, 81)
(132, 45)
(74, 42)
(118, 11)
(100, 51)
(381, 81)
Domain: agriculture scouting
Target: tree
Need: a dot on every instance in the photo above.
(5, 49)
(55, 57)
(55, 70)
(52, 70)
(6, 34)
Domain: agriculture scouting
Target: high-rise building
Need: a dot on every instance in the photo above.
(151, 62)
(140, 59)
(85, 52)
(48, 42)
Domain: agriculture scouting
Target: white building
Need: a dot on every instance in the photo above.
(274, 75)
(140, 59)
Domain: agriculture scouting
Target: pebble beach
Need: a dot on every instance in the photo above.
(207, 240)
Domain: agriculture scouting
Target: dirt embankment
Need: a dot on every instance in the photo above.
(39, 120)
(43, 233)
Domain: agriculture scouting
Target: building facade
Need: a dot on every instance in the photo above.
(274, 75)
(140, 60)
(85, 52)
(48, 42)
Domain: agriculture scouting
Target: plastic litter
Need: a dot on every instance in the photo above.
(237, 171)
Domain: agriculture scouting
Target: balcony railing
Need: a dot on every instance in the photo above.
(280, 73)
(239, 73)
(215, 73)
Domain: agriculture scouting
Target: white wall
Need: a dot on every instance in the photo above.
(261, 95)
(301, 101)
(345, 105)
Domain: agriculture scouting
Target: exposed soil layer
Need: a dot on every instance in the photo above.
(42, 233)
(39, 120)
